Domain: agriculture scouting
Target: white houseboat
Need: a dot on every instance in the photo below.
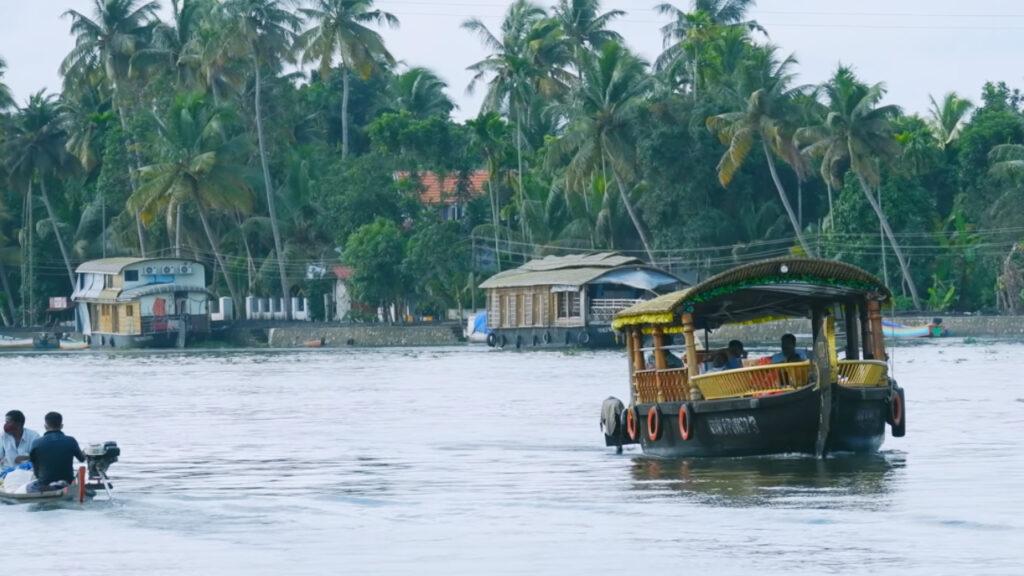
(141, 302)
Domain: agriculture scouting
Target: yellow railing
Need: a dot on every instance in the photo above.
(660, 385)
(863, 373)
(753, 381)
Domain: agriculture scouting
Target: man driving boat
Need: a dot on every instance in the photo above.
(52, 454)
(17, 440)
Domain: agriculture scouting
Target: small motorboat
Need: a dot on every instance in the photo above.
(7, 343)
(69, 344)
(934, 329)
(17, 484)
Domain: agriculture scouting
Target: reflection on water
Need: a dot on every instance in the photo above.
(470, 461)
(838, 481)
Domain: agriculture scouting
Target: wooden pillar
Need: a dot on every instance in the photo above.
(865, 330)
(877, 340)
(638, 352)
(693, 369)
(852, 331)
(659, 349)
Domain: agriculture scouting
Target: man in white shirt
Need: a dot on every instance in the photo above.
(17, 440)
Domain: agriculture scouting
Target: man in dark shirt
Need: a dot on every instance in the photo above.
(53, 452)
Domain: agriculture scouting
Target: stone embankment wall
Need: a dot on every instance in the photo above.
(958, 326)
(368, 335)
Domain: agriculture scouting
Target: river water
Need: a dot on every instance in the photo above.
(472, 461)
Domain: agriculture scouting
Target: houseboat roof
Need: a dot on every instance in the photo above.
(781, 287)
(579, 269)
(117, 265)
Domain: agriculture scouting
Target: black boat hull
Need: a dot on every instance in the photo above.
(779, 424)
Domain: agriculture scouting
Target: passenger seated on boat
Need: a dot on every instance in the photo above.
(736, 355)
(719, 361)
(52, 455)
(17, 440)
(789, 352)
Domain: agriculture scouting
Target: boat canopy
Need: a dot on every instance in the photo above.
(571, 272)
(765, 290)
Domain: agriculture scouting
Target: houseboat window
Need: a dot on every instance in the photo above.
(131, 275)
(537, 318)
(108, 281)
(568, 304)
(129, 310)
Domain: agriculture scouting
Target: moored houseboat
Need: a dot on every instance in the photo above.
(561, 301)
(141, 302)
(709, 403)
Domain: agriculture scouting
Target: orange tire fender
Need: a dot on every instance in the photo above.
(653, 423)
(685, 421)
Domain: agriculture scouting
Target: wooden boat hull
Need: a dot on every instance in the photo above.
(859, 416)
(780, 424)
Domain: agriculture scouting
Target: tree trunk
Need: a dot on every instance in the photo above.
(216, 253)
(133, 162)
(267, 185)
(56, 230)
(892, 241)
(632, 216)
(785, 202)
(494, 218)
(345, 80)
(27, 272)
(8, 295)
(177, 231)
(519, 177)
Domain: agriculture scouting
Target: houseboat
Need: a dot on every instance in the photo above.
(561, 301)
(141, 302)
(794, 402)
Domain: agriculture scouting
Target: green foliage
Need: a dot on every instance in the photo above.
(376, 252)
(437, 263)
(356, 193)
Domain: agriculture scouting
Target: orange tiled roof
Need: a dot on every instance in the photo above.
(432, 190)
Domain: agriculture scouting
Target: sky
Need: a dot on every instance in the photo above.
(917, 47)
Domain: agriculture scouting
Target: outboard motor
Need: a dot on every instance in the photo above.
(99, 457)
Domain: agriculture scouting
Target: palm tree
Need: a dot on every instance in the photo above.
(339, 29)
(268, 30)
(524, 66)
(857, 136)
(201, 170)
(36, 151)
(602, 113)
(688, 34)
(489, 134)
(421, 93)
(107, 42)
(585, 27)
(948, 118)
(6, 100)
(765, 98)
(172, 41)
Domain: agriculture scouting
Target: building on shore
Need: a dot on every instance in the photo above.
(447, 194)
(561, 301)
(141, 302)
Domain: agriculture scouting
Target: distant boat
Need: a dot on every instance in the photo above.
(935, 329)
(7, 343)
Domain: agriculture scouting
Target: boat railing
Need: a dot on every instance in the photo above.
(863, 373)
(603, 310)
(753, 381)
(652, 386)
